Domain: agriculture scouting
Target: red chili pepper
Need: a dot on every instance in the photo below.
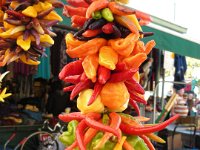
(91, 33)
(97, 89)
(73, 79)
(79, 87)
(136, 97)
(148, 142)
(78, 3)
(15, 14)
(83, 77)
(96, 5)
(103, 74)
(108, 28)
(72, 68)
(115, 123)
(78, 20)
(135, 106)
(80, 134)
(71, 116)
(78, 116)
(122, 76)
(72, 146)
(99, 126)
(120, 66)
(143, 16)
(70, 11)
(69, 88)
(135, 86)
(128, 129)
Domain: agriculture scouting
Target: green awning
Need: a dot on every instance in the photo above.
(173, 43)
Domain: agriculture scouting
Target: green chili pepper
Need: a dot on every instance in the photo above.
(105, 119)
(96, 139)
(68, 137)
(96, 15)
(107, 14)
(137, 142)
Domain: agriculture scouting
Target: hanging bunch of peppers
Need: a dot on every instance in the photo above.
(3, 93)
(105, 77)
(25, 29)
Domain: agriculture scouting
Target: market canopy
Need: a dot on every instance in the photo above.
(173, 42)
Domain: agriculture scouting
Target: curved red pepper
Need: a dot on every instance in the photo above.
(127, 129)
(70, 11)
(122, 76)
(135, 86)
(80, 134)
(103, 74)
(148, 142)
(99, 126)
(97, 89)
(69, 88)
(78, 3)
(78, 20)
(72, 68)
(73, 79)
(136, 97)
(135, 106)
(79, 87)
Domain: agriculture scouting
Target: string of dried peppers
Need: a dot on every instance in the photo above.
(25, 29)
(105, 77)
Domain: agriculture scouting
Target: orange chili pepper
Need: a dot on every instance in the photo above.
(149, 46)
(91, 33)
(90, 66)
(96, 5)
(127, 146)
(139, 48)
(135, 61)
(88, 48)
(124, 46)
(71, 41)
(108, 57)
(120, 10)
(114, 95)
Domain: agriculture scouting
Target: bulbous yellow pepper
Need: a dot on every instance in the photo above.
(108, 57)
(90, 66)
(82, 101)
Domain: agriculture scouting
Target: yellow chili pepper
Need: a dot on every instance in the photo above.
(46, 38)
(30, 11)
(24, 44)
(155, 138)
(118, 146)
(28, 61)
(90, 66)
(71, 41)
(108, 57)
(53, 16)
(82, 102)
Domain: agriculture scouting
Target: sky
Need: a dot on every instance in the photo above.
(182, 12)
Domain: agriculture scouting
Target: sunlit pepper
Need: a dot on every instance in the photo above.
(88, 48)
(90, 66)
(115, 95)
(108, 57)
(83, 99)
